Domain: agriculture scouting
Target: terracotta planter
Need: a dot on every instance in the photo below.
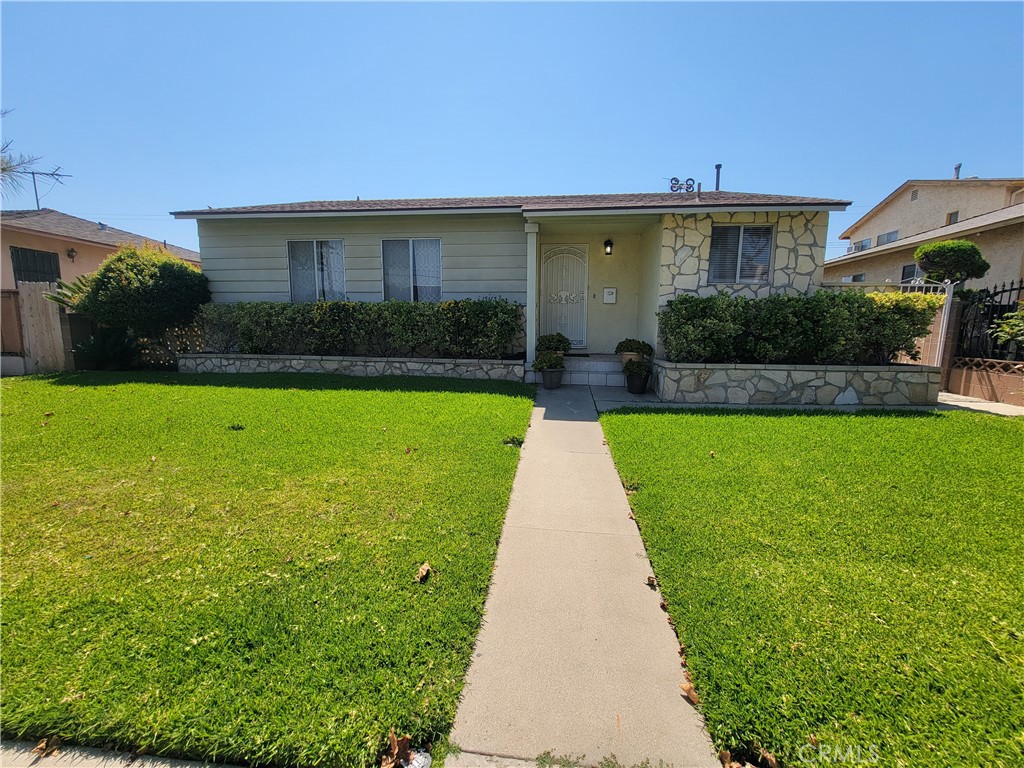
(627, 356)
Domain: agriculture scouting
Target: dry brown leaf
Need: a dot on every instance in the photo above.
(664, 604)
(48, 414)
(398, 751)
(408, 450)
(725, 757)
(813, 740)
(423, 573)
(652, 582)
(631, 516)
(152, 458)
(768, 758)
(47, 746)
(690, 692)
(712, 454)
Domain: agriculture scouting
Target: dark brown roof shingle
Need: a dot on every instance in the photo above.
(50, 222)
(528, 204)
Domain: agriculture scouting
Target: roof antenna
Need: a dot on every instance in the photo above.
(956, 170)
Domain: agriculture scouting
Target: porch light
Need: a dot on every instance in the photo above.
(608, 247)
(72, 253)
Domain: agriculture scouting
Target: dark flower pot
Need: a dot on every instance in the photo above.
(552, 377)
(636, 384)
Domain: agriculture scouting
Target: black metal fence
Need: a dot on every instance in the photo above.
(980, 312)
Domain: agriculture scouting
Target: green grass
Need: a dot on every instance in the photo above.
(856, 580)
(224, 566)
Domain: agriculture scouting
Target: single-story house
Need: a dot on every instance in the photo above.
(594, 267)
(44, 246)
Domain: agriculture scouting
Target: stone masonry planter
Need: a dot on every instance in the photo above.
(493, 370)
(743, 384)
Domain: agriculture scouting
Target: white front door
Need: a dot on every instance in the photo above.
(563, 286)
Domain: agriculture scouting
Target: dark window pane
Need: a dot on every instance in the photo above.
(725, 249)
(31, 266)
(397, 269)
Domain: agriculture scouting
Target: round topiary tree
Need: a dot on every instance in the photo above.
(142, 289)
(953, 260)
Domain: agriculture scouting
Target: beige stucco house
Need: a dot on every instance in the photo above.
(989, 212)
(594, 267)
(47, 245)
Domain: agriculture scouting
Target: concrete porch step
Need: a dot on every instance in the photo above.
(593, 364)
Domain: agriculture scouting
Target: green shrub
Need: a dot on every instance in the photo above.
(1009, 328)
(635, 346)
(953, 260)
(547, 361)
(700, 329)
(470, 328)
(553, 342)
(636, 368)
(844, 328)
(107, 349)
(142, 289)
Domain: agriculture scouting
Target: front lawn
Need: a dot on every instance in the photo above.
(846, 586)
(225, 566)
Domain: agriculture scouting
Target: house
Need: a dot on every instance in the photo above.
(37, 248)
(46, 245)
(989, 212)
(594, 267)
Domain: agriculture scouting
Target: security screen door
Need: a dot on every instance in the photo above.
(563, 300)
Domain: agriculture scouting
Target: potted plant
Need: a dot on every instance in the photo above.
(633, 349)
(554, 342)
(551, 367)
(638, 374)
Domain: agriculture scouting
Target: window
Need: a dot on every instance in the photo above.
(952, 218)
(740, 254)
(910, 271)
(32, 266)
(858, 278)
(316, 270)
(861, 245)
(412, 269)
(888, 237)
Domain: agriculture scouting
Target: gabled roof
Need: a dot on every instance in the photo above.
(1003, 217)
(56, 224)
(547, 204)
(928, 183)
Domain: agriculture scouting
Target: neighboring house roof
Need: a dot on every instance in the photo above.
(56, 224)
(540, 205)
(1014, 214)
(928, 183)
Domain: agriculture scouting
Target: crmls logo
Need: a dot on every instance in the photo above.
(851, 754)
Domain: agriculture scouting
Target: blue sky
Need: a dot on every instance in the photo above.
(165, 106)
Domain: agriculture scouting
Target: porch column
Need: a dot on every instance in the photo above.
(532, 229)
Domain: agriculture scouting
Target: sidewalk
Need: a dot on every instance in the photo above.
(575, 655)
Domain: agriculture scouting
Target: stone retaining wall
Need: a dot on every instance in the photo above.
(494, 370)
(889, 385)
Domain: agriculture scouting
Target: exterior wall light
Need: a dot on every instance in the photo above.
(608, 247)
(72, 253)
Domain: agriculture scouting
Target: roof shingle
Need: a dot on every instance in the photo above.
(50, 222)
(529, 204)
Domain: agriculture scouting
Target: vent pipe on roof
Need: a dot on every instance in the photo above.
(102, 225)
(718, 176)
(956, 170)
(698, 191)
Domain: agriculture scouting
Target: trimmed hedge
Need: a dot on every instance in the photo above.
(467, 328)
(844, 328)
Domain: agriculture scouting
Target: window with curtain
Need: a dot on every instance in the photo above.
(740, 254)
(412, 269)
(316, 269)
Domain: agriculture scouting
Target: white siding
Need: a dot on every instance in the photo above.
(246, 259)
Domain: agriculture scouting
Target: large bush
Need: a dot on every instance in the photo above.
(470, 328)
(143, 290)
(953, 260)
(844, 328)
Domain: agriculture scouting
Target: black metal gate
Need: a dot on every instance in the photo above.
(980, 313)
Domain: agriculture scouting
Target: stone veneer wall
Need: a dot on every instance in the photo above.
(742, 384)
(494, 370)
(796, 266)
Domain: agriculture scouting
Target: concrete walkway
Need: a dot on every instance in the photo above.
(575, 655)
(18, 754)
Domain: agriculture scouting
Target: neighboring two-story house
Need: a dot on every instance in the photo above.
(989, 212)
